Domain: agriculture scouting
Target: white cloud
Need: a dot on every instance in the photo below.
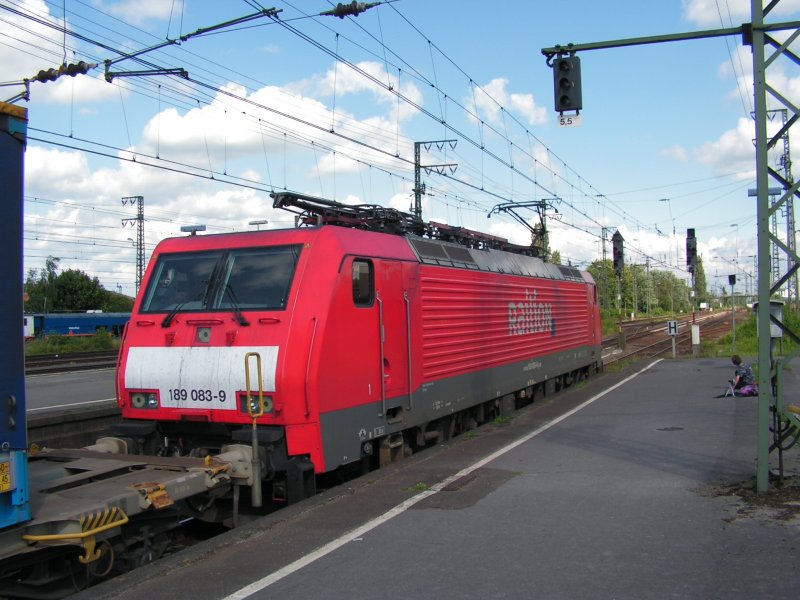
(677, 152)
(403, 201)
(137, 12)
(19, 34)
(341, 81)
(18, 62)
(708, 12)
(488, 103)
(732, 151)
(79, 211)
(219, 133)
(81, 89)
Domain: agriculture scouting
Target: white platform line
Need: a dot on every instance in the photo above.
(323, 551)
(57, 406)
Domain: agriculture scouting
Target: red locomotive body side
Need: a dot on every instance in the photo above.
(473, 321)
(375, 335)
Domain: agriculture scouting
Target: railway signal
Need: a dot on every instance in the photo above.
(617, 245)
(567, 83)
(691, 251)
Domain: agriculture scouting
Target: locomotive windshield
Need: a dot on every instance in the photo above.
(223, 280)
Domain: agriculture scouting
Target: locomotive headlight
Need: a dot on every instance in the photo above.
(144, 400)
(269, 405)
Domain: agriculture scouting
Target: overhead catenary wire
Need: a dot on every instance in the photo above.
(582, 188)
(509, 164)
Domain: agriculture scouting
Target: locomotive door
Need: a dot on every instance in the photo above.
(394, 323)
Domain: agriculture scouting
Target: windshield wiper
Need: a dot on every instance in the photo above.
(171, 315)
(237, 311)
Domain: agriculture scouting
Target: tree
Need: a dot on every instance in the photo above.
(40, 286)
(115, 302)
(700, 283)
(555, 258)
(603, 274)
(76, 291)
(70, 291)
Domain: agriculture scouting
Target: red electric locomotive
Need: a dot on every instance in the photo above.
(334, 344)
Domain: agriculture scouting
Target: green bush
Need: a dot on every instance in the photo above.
(746, 344)
(63, 344)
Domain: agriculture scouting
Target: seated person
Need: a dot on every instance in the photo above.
(744, 373)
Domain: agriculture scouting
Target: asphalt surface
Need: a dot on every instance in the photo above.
(63, 391)
(628, 492)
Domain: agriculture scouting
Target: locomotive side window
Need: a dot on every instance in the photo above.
(180, 280)
(363, 283)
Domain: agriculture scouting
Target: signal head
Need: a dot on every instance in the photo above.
(567, 83)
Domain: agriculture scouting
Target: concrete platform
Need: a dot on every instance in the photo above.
(627, 492)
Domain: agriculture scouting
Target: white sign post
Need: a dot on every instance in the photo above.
(672, 329)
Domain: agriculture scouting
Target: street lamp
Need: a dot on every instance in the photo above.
(259, 223)
(192, 229)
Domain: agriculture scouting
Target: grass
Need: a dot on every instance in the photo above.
(65, 344)
(418, 487)
(746, 344)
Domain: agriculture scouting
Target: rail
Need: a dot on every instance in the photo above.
(76, 361)
(654, 341)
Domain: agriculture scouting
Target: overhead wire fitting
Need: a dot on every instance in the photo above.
(51, 74)
(349, 10)
(110, 75)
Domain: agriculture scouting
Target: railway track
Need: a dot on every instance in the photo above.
(644, 339)
(82, 427)
(634, 332)
(655, 341)
(76, 361)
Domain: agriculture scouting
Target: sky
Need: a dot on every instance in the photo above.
(332, 107)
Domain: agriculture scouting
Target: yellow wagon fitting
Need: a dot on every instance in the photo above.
(91, 524)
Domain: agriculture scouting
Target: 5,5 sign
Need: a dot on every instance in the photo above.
(575, 120)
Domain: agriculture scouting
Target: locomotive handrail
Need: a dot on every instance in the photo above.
(255, 460)
(204, 321)
(408, 334)
(254, 414)
(269, 320)
(383, 358)
(308, 366)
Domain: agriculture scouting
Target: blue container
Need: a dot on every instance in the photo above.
(14, 498)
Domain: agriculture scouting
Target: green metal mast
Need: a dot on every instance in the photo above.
(785, 419)
(770, 380)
